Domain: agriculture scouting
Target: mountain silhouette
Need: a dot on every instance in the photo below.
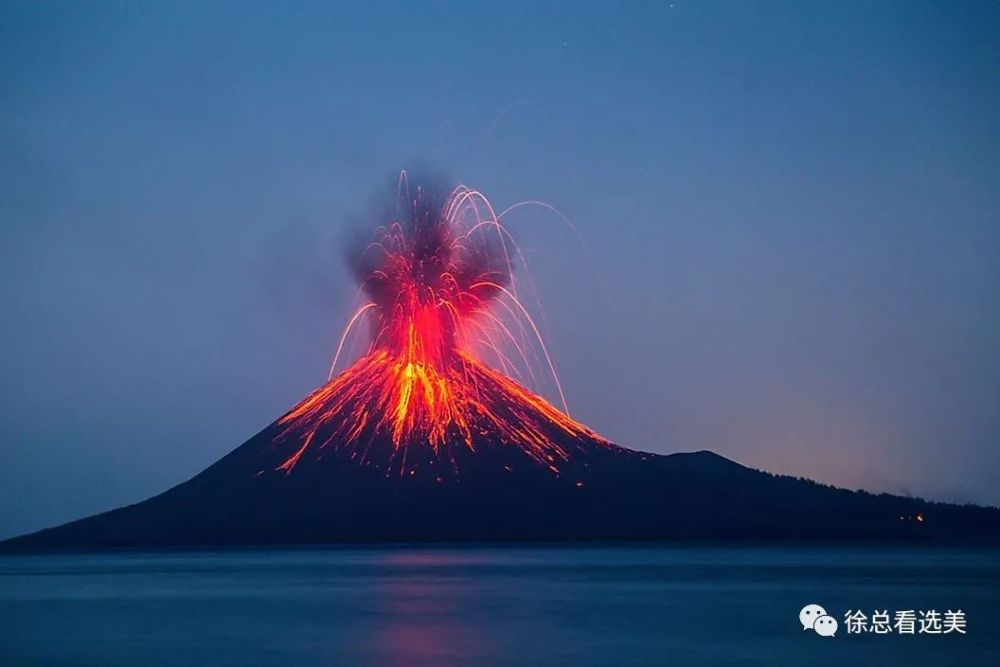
(497, 491)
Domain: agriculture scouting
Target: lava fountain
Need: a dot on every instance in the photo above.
(450, 347)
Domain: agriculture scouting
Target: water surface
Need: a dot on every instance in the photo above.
(492, 606)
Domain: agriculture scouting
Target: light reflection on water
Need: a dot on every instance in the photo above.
(505, 606)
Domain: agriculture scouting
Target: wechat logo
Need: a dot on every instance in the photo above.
(814, 617)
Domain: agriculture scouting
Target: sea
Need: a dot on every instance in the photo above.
(518, 606)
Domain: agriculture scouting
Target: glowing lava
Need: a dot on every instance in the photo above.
(442, 308)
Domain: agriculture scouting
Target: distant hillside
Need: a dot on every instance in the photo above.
(606, 494)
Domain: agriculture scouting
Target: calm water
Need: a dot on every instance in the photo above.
(555, 606)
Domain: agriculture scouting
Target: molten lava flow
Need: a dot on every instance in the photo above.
(441, 303)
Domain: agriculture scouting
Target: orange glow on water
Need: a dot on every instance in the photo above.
(448, 334)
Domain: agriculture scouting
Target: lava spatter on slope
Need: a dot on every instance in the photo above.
(448, 335)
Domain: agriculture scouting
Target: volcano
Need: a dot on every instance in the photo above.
(501, 494)
(432, 435)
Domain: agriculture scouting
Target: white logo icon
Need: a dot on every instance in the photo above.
(814, 617)
(825, 626)
(809, 614)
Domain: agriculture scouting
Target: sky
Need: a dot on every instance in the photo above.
(788, 220)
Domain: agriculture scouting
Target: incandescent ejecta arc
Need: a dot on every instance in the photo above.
(449, 340)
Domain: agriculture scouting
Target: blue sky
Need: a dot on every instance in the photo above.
(793, 212)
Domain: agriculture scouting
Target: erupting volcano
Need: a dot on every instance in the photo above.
(441, 305)
(433, 436)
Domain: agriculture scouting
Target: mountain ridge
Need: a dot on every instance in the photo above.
(615, 495)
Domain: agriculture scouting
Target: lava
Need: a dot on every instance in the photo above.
(448, 335)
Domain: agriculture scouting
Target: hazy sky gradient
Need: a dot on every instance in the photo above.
(794, 208)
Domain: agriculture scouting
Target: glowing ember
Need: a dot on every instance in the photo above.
(442, 308)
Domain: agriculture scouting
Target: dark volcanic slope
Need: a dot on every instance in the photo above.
(612, 494)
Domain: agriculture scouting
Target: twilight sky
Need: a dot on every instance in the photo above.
(793, 213)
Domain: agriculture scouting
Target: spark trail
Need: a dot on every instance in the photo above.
(447, 336)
